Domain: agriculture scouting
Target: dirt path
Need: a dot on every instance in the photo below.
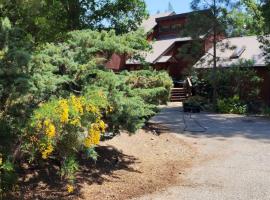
(136, 165)
(233, 160)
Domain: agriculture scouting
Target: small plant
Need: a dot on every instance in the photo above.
(231, 105)
(266, 111)
(7, 175)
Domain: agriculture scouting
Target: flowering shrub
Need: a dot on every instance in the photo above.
(61, 128)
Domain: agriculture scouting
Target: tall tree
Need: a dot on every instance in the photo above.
(48, 20)
(210, 22)
(170, 7)
(265, 40)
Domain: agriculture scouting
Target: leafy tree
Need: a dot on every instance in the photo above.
(48, 20)
(254, 8)
(242, 22)
(265, 14)
(210, 21)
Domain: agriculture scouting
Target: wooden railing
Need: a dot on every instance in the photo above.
(188, 86)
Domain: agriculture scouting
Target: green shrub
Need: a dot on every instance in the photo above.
(56, 99)
(196, 101)
(239, 79)
(231, 105)
(266, 111)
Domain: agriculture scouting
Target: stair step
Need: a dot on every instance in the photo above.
(178, 95)
(178, 98)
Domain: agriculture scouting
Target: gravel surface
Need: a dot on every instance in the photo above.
(135, 165)
(233, 161)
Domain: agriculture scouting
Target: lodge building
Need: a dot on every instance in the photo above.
(164, 33)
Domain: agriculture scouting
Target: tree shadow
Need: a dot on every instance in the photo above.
(213, 125)
(37, 183)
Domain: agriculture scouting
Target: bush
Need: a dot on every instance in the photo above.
(134, 101)
(196, 101)
(57, 101)
(231, 105)
(237, 80)
(266, 111)
(62, 127)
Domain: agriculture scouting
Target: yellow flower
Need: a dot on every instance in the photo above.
(77, 104)
(1, 160)
(102, 126)
(50, 128)
(70, 188)
(94, 134)
(39, 125)
(91, 108)
(64, 109)
(76, 122)
(45, 153)
(110, 109)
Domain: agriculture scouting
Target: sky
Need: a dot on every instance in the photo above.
(180, 6)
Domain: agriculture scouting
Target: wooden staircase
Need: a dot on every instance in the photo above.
(178, 94)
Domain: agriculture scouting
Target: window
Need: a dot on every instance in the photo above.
(164, 29)
(176, 28)
(237, 52)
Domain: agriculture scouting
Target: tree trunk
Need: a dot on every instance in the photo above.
(215, 95)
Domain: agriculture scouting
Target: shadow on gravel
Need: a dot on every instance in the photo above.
(46, 184)
(213, 125)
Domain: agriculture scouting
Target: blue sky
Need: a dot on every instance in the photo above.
(179, 6)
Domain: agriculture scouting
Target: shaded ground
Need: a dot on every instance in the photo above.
(127, 167)
(157, 162)
(233, 161)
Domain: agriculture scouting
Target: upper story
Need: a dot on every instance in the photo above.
(167, 25)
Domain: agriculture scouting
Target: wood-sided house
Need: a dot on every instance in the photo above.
(232, 51)
(164, 34)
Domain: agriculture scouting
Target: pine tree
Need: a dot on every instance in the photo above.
(170, 7)
(210, 21)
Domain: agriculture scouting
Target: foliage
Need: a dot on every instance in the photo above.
(231, 105)
(7, 176)
(237, 80)
(266, 111)
(66, 67)
(49, 20)
(60, 128)
(246, 18)
(196, 101)
(153, 86)
(57, 99)
(133, 95)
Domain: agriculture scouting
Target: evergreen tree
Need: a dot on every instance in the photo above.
(170, 7)
(209, 19)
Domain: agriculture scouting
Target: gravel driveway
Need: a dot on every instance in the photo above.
(233, 161)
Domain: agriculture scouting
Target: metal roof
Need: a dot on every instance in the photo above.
(176, 16)
(150, 23)
(164, 59)
(159, 49)
(226, 48)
